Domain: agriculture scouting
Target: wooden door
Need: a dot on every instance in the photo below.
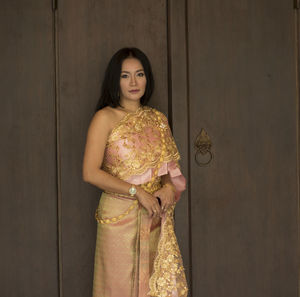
(237, 68)
(229, 67)
(89, 33)
(28, 191)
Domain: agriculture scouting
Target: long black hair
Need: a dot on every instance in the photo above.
(110, 89)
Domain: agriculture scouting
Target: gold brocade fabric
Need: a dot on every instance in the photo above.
(155, 185)
(141, 140)
(137, 256)
(168, 273)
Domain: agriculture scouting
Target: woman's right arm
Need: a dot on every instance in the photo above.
(92, 173)
(97, 135)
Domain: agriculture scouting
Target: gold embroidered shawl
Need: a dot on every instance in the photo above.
(141, 140)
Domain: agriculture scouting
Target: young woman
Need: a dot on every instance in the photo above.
(131, 155)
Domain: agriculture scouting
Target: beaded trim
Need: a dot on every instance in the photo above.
(150, 187)
(115, 219)
(121, 195)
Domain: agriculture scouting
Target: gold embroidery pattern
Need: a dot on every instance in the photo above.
(115, 219)
(141, 140)
(150, 187)
(168, 274)
(153, 185)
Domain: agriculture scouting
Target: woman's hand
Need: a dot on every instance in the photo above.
(166, 195)
(149, 202)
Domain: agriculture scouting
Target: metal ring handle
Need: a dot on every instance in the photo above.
(203, 145)
(205, 163)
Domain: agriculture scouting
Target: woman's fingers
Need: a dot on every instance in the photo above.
(166, 205)
(150, 213)
(151, 204)
(163, 204)
(156, 208)
(153, 213)
(153, 209)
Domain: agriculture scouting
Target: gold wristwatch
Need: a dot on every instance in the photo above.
(132, 190)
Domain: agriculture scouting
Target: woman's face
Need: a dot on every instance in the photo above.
(133, 80)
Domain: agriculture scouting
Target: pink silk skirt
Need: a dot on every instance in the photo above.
(138, 256)
(125, 249)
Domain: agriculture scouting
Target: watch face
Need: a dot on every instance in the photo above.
(132, 190)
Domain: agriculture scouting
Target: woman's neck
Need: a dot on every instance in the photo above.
(129, 106)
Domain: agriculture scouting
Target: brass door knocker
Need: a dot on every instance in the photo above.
(203, 145)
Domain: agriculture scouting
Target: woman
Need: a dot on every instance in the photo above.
(131, 155)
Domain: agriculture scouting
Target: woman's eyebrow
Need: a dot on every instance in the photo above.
(135, 71)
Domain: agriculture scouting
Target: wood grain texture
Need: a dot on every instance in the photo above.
(245, 203)
(90, 32)
(28, 210)
(179, 99)
(227, 67)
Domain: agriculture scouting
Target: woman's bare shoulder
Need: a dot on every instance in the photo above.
(107, 113)
(104, 112)
(108, 116)
(101, 119)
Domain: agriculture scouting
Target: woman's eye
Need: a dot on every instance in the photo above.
(124, 75)
(141, 74)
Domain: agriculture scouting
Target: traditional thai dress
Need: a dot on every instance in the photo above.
(138, 256)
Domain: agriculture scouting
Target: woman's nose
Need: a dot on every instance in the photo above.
(132, 81)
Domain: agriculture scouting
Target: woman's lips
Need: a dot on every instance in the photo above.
(134, 91)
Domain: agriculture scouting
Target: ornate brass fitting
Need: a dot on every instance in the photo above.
(203, 145)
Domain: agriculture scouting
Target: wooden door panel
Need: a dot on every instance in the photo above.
(28, 211)
(89, 33)
(178, 94)
(244, 205)
(227, 67)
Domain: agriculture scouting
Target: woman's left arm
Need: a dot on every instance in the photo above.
(166, 180)
(166, 193)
